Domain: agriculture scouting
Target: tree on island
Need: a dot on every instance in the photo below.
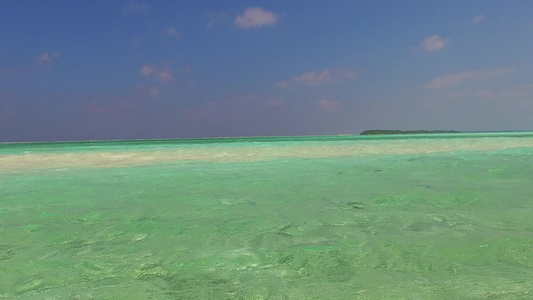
(386, 131)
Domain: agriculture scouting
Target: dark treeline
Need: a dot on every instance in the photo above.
(380, 131)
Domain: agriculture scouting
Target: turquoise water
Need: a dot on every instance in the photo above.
(443, 216)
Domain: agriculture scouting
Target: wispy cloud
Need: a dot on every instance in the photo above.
(172, 32)
(134, 7)
(434, 43)
(150, 91)
(329, 105)
(14, 71)
(162, 74)
(520, 91)
(47, 58)
(457, 78)
(274, 102)
(514, 94)
(148, 70)
(314, 78)
(216, 19)
(255, 17)
(477, 19)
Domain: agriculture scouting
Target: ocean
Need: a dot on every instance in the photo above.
(427, 216)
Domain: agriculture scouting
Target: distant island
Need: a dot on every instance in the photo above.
(379, 131)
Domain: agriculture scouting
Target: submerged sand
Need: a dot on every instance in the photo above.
(253, 152)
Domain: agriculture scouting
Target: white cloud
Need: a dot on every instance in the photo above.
(477, 19)
(172, 32)
(162, 74)
(255, 17)
(314, 78)
(434, 43)
(150, 91)
(47, 58)
(329, 105)
(148, 70)
(456, 78)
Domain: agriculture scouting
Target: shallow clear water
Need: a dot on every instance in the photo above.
(389, 217)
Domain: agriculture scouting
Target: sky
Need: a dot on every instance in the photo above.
(145, 69)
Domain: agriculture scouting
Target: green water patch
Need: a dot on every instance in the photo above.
(452, 225)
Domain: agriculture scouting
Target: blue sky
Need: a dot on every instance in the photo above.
(78, 70)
